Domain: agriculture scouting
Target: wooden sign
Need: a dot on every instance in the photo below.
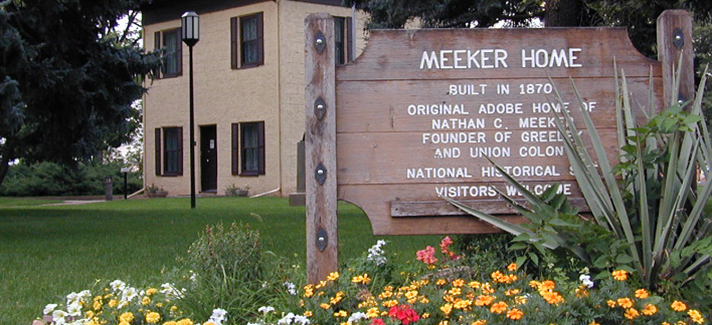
(411, 120)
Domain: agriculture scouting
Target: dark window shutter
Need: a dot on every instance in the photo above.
(157, 45)
(158, 151)
(260, 42)
(261, 134)
(235, 149)
(234, 33)
(349, 39)
(179, 52)
(180, 151)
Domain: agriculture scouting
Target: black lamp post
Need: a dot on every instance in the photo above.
(190, 28)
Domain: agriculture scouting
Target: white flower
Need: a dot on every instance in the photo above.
(218, 316)
(375, 253)
(74, 309)
(117, 285)
(170, 290)
(49, 308)
(291, 288)
(286, 319)
(129, 293)
(58, 316)
(301, 319)
(265, 309)
(357, 316)
(586, 280)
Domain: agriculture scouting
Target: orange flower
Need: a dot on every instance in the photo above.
(487, 288)
(483, 300)
(515, 314)
(552, 297)
(631, 313)
(611, 303)
(440, 282)
(649, 310)
(678, 306)
(474, 285)
(479, 322)
(593, 322)
(620, 275)
(458, 283)
(512, 292)
(642, 294)
(499, 307)
(547, 285)
(512, 267)
(625, 302)
(497, 276)
(446, 308)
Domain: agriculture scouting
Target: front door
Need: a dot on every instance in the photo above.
(208, 159)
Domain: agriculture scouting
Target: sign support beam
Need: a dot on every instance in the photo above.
(674, 41)
(320, 150)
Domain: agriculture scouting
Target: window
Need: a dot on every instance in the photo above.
(246, 46)
(170, 42)
(248, 149)
(343, 38)
(169, 150)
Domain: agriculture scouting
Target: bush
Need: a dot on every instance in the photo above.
(51, 179)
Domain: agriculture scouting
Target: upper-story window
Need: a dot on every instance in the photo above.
(170, 42)
(343, 39)
(247, 45)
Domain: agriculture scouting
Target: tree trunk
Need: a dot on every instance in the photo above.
(567, 13)
(7, 155)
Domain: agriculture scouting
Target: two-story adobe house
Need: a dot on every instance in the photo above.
(249, 92)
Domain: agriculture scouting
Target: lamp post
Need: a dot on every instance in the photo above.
(190, 28)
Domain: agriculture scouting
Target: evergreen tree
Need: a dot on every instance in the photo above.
(67, 79)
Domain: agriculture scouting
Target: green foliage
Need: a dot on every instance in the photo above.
(52, 179)
(225, 269)
(653, 219)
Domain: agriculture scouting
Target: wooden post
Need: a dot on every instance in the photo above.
(320, 151)
(675, 41)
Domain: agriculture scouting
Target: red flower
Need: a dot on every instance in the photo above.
(404, 313)
(377, 321)
(427, 255)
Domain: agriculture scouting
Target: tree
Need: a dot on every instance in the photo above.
(67, 79)
(638, 15)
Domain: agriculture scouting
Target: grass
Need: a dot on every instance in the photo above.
(47, 252)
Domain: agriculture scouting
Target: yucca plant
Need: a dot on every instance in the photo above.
(647, 208)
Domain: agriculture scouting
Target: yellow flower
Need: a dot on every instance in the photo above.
(209, 323)
(455, 291)
(308, 313)
(512, 267)
(89, 314)
(340, 313)
(113, 303)
(446, 308)
(479, 322)
(390, 303)
(124, 323)
(97, 304)
(593, 322)
(696, 316)
(534, 284)
(620, 275)
(520, 300)
(153, 317)
(333, 276)
(631, 313)
(581, 292)
(186, 321)
(170, 322)
(159, 305)
(474, 285)
(512, 292)
(151, 291)
(361, 279)
(499, 307)
(444, 322)
(462, 304)
(126, 317)
(425, 316)
(411, 294)
(458, 283)
(625, 302)
(325, 306)
(678, 306)
(146, 301)
(611, 303)
(649, 310)
(642, 294)
(515, 314)
(440, 282)
(487, 289)
(373, 312)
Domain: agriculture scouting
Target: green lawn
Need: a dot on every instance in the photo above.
(47, 252)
